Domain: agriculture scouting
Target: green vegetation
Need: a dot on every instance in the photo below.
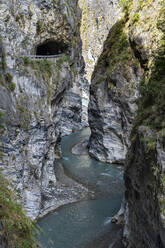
(9, 79)
(21, 109)
(26, 61)
(56, 2)
(17, 228)
(151, 109)
(135, 18)
(163, 182)
(150, 142)
(12, 86)
(3, 60)
(1, 119)
(19, 18)
(84, 26)
(3, 56)
(41, 67)
(163, 206)
(142, 4)
(126, 5)
(44, 68)
(61, 60)
(1, 115)
(116, 49)
(162, 198)
(24, 116)
(151, 104)
(2, 81)
(50, 92)
(39, 26)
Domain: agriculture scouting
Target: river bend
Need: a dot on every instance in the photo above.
(78, 224)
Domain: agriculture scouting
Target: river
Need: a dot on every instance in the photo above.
(79, 224)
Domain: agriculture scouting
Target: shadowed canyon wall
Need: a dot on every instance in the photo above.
(40, 100)
(126, 116)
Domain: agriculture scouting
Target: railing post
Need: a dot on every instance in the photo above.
(42, 56)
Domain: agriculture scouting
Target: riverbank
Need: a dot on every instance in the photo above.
(97, 190)
(67, 191)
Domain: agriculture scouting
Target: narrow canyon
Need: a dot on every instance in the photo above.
(82, 126)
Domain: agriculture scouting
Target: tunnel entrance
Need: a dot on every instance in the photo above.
(51, 48)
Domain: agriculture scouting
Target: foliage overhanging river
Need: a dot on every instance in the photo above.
(76, 225)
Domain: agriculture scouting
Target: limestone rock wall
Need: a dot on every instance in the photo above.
(126, 97)
(113, 93)
(97, 18)
(144, 175)
(40, 100)
(114, 86)
(145, 161)
(3, 241)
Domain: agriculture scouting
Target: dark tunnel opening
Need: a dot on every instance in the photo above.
(51, 48)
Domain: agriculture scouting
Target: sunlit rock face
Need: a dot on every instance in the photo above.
(97, 19)
(40, 100)
(113, 93)
(114, 85)
(110, 118)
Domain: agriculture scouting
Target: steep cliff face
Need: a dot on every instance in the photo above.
(3, 241)
(16, 230)
(145, 162)
(114, 87)
(97, 18)
(127, 93)
(112, 96)
(144, 179)
(40, 99)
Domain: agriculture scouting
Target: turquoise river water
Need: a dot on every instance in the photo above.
(76, 225)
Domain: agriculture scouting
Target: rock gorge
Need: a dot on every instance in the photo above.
(126, 116)
(41, 100)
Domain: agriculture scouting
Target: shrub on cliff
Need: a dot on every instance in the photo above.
(18, 230)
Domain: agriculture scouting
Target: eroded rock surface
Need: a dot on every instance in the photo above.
(97, 19)
(112, 97)
(144, 193)
(3, 241)
(127, 93)
(40, 99)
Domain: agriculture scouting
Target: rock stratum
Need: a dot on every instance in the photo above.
(97, 19)
(126, 116)
(40, 98)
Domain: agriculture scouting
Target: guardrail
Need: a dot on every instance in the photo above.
(42, 56)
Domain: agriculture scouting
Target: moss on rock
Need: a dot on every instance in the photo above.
(19, 230)
(41, 67)
(151, 104)
(151, 109)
